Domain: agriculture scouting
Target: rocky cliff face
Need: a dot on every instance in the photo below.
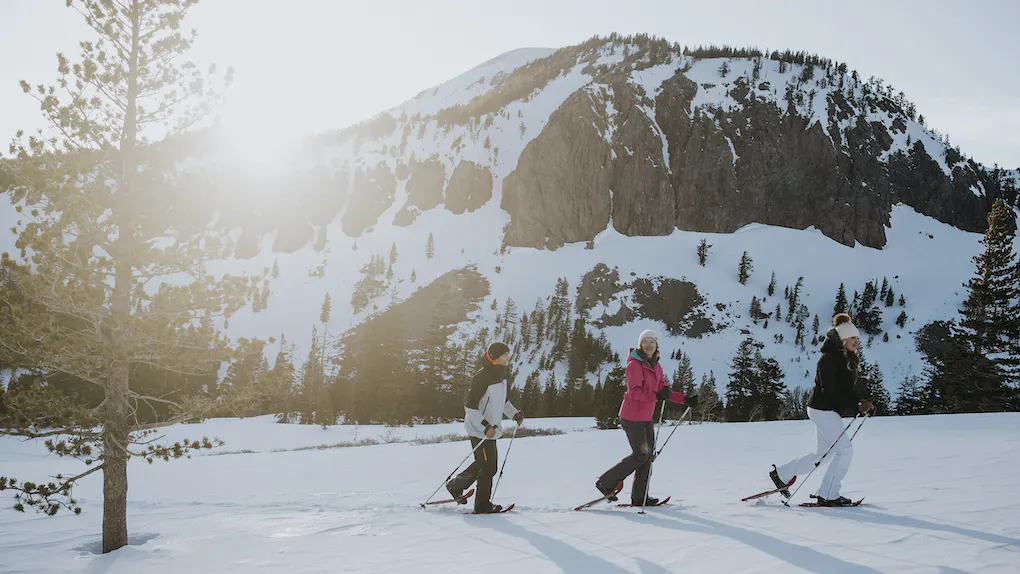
(750, 163)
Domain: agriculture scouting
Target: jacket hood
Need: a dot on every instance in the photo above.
(832, 343)
(635, 355)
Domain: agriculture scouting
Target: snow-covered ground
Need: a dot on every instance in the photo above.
(941, 497)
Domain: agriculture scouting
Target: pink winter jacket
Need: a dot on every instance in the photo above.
(643, 381)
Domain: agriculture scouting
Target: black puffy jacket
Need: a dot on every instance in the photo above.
(835, 383)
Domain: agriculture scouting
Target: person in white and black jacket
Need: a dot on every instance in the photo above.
(484, 408)
(836, 392)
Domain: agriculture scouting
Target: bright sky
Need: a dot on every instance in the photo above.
(305, 66)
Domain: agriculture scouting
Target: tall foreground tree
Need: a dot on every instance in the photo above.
(990, 318)
(111, 271)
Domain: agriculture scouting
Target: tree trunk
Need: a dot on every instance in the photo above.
(115, 459)
(118, 408)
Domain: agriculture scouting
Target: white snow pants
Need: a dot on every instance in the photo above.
(829, 425)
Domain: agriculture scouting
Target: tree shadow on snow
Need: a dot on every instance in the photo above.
(567, 557)
(868, 516)
(799, 556)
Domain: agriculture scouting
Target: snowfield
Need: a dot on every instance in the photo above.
(941, 497)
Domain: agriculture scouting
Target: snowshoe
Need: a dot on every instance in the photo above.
(782, 486)
(841, 501)
(650, 502)
(492, 509)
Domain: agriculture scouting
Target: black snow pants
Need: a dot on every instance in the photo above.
(482, 470)
(641, 436)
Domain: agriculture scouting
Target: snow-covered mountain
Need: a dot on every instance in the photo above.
(606, 164)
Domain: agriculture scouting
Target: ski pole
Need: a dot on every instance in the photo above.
(678, 422)
(505, 457)
(648, 480)
(859, 427)
(786, 503)
(480, 443)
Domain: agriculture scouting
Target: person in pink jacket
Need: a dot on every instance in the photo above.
(645, 385)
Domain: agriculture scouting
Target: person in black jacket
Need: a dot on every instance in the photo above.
(484, 408)
(834, 393)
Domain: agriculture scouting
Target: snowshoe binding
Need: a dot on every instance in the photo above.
(841, 501)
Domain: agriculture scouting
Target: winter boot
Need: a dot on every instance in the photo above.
(841, 501)
(609, 493)
(492, 509)
(650, 502)
(456, 493)
(774, 475)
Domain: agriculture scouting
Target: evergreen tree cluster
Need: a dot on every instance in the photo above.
(974, 362)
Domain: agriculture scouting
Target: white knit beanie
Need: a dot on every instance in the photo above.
(847, 331)
(648, 334)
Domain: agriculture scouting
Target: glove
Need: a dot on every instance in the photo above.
(664, 393)
(691, 401)
(865, 406)
(519, 418)
(490, 431)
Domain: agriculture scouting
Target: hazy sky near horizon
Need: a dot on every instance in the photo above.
(305, 66)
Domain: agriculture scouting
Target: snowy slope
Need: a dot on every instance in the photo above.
(940, 498)
(495, 140)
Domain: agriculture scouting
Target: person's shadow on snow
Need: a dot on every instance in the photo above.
(568, 558)
(868, 516)
(799, 556)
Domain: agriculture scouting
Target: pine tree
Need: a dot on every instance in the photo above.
(815, 325)
(772, 285)
(710, 406)
(885, 289)
(990, 318)
(430, 248)
(549, 397)
(868, 316)
(793, 300)
(841, 304)
(903, 302)
(607, 412)
(911, 398)
(744, 269)
(779, 313)
(755, 310)
(393, 253)
(703, 250)
(100, 218)
(890, 298)
(414, 276)
(532, 395)
(901, 320)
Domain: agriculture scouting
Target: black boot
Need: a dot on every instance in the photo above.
(650, 502)
(456, 492)
(490, 509)
(841, 501)
(774, 475)
(609, 493)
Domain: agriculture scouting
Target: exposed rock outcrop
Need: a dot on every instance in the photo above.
(373, 193)
(470, 187)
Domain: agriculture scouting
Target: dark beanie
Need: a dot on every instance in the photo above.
(497, 350)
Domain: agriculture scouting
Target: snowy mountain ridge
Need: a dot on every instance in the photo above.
(625, 152)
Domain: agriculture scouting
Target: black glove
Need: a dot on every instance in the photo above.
(664, 393)
(691, 401)
(519, 418)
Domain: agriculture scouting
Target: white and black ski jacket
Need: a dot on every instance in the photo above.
(486, 402)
